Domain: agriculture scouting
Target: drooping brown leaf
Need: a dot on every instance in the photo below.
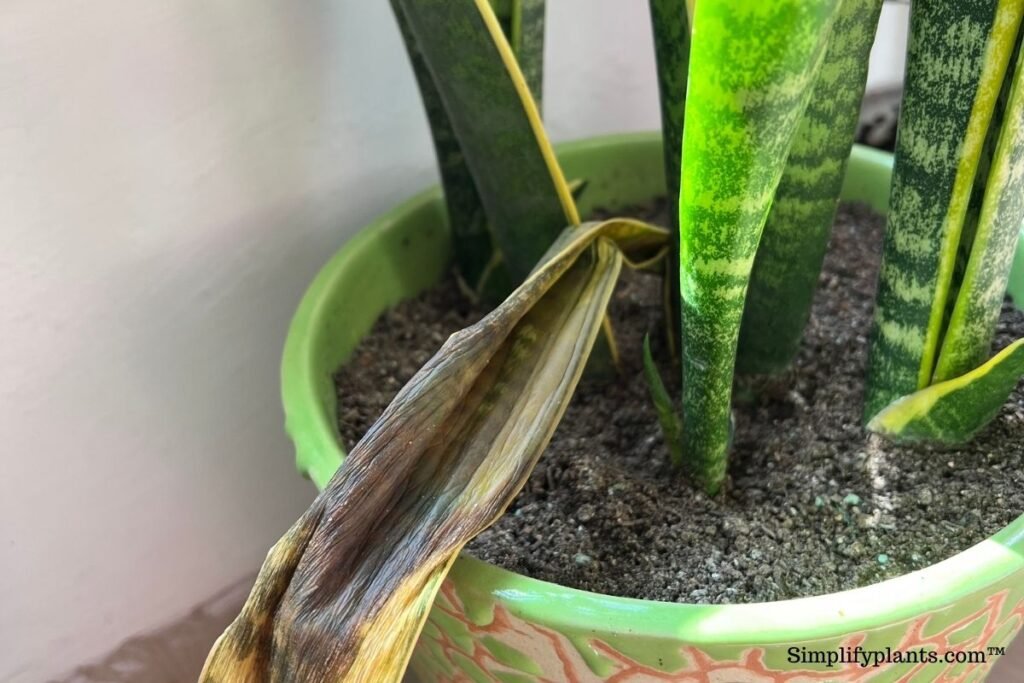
(343, 595)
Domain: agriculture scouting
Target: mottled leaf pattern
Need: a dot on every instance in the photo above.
(795, 236)
(968, 339)
(957, 58)
(752, 64)
(343, 595)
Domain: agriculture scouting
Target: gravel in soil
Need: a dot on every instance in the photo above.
(814, 504)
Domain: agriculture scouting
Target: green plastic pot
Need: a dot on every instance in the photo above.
(489, 624)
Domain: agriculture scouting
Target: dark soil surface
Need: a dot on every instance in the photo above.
(814, 505)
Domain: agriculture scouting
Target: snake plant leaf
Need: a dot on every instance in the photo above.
(670, 20)
(497, 124)
(953, 411)
(968, 337)
(671, 25)
(974, 204)
(522, 22)
(668, 417)
(343, 595)
(795, 237)
(752, 65)
(471, 239)
(479, 268)
(957, 59)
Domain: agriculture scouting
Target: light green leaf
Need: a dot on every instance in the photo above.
(752, 65)
(957, 59)
(344, 594)
(953, 411)
(668, 416)
(977, 198)
(795, 236)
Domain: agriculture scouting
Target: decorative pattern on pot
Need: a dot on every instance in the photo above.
(466, 640)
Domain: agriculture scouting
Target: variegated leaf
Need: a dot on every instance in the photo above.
(752, 65)
(968, 338)
(957, 59)
(795, 236)
(953, 411)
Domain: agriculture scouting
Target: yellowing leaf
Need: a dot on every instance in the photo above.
(343, 595)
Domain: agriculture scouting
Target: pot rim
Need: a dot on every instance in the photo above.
(318, 452)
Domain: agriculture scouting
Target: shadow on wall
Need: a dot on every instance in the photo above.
(174, 176)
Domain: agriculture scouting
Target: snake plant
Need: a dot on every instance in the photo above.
(958, 58)
(759, 103)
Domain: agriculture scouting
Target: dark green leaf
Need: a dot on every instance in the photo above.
(471, 238)
(671, 24)
(496, 122)
(795, 236)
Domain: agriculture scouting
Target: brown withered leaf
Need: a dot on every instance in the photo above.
(344, 594)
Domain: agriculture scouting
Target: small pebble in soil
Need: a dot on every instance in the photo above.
(814, 503)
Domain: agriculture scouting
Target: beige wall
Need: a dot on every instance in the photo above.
(172, 174)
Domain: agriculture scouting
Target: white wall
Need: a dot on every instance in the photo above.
(172, 174)
(889, 54)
